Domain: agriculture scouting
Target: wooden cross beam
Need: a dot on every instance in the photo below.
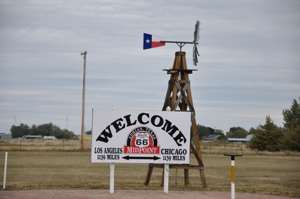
(179, 98)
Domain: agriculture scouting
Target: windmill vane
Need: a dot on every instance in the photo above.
(149, 43)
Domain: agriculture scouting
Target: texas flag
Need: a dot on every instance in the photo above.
(148, 43)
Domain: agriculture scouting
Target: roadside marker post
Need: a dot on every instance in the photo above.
(5, 170)
(232, 172)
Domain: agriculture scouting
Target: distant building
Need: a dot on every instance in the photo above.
(49, 138)
(248, 138)
(210, 138)
(5, 136)
(33, 137)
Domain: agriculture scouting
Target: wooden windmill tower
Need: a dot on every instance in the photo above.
(179, 98)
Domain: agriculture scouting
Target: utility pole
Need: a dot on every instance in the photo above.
(92, 128)
(15, 120)
(67, 122)
(84, 53)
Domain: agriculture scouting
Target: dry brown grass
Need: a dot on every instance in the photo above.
(20, 144)
(74, 145)
(275, 174)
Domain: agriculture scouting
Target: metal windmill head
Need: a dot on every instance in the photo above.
(149, 43)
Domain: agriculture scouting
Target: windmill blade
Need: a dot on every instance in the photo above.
(196, 32)
(196, 42)
(195, 55)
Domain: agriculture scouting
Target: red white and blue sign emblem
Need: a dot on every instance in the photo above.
(142, 140)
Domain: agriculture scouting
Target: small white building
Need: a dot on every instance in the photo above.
(32, 137)
(49, 138)
(248, 138)
(210, 138)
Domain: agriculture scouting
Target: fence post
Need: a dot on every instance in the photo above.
(5, 170)
(20, 144)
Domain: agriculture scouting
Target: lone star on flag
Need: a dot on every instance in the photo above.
(148, 43)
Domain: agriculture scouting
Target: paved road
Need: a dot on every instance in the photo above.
(126, 194)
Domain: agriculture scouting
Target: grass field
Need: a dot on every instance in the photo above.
(74, 145)
(274, 174)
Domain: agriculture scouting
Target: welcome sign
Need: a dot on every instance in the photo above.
(142, 137)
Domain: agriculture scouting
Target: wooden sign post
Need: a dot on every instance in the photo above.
(179, 98)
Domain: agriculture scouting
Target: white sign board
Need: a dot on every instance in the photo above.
(141, 137)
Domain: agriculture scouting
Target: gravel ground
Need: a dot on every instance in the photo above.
(126, 194)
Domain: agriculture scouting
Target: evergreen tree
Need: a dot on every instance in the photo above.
(291, 119)
(19, 131)
(237, 132)
(48, 129)
(267, 137)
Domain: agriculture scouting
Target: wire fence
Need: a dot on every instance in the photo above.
(41, 145)
(21, 144)
(212, 147)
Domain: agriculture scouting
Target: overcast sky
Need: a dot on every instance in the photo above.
(249, 64)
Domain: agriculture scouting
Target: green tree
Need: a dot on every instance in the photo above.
(19, 131)
(43, 129)
(267, 137)
(47, 129)
(237, 132)
(291, 119)
(205, 131)
(291, 116)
